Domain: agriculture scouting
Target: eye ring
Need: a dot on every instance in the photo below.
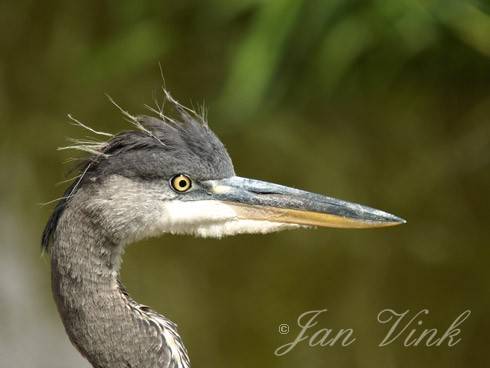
(181, 183)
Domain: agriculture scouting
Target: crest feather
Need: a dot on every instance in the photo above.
(188, 137)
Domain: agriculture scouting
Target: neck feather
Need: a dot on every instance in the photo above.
(106, 326)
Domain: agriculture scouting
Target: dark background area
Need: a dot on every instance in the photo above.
(381, 102)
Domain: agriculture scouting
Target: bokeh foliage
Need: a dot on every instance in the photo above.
(384, 102)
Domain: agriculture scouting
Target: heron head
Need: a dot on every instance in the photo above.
(177, 177)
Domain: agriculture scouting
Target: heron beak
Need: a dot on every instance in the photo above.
(260, 200)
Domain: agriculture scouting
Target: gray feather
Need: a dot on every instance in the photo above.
(160, 150)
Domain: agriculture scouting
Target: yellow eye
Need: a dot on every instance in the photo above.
(181, 183)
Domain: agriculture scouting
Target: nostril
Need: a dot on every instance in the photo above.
(258, 191)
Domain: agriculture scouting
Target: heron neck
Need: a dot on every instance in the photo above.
(98, 316)
(107, 327)
(83, 257)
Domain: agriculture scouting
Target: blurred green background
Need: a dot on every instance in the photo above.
(382, 102)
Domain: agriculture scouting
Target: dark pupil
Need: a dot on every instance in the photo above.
(182, 183)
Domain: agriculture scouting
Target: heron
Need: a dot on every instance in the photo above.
(164, 175)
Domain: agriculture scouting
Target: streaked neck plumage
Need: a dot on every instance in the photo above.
(102, 321)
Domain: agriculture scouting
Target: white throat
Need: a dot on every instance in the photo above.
(213, 219)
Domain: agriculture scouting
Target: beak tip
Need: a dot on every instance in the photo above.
(395, 220)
